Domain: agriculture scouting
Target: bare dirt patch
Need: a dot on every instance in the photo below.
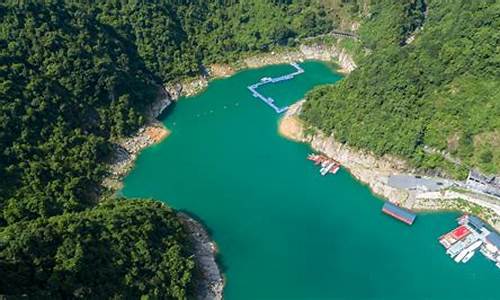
(221, 70)
(291, 128)
(157, 133)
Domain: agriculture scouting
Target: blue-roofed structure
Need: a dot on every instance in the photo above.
(399, 213)
(494, 238)
(475, 222)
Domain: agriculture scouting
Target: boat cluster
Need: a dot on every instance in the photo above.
(327, 164)
(471, 234)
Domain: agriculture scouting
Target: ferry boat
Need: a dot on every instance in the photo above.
(471, 248)
(456, 248)
(475, 246)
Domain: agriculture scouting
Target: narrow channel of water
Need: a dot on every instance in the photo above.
(284, 231)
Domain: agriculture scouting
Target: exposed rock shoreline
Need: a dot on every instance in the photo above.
(318, 51)
(367, 168)
(375, 171)
(127, 150)
(212, 284)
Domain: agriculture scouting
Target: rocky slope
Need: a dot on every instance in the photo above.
(313, 51)
(127, 150)
(211, 284)
(375, 171)
(365, 167)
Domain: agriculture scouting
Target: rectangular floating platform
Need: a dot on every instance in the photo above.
(399, 213)
(268, 80)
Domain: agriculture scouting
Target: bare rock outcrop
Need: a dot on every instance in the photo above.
(366, 167)
(375, 171)
(211, 285)
(313, 51)
(127, 150)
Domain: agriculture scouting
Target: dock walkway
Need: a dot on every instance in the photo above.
(268, 80)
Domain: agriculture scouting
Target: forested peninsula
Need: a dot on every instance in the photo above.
(427, 89)
(74, 77)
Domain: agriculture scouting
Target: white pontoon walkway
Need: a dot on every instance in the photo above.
(268, 80)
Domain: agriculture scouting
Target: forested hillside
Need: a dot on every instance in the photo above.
(74, 76)
(118, 248)
(441, 90)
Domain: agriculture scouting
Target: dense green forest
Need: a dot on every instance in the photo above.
(118, 248)
(75, 76)
(442, 90)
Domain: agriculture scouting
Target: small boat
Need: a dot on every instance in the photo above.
(455, 249)
(467, 250)
(474, 246)
(489, 255)
(326, 169)
(335, 169)
(468, 256)
(266, 79)
(461, 255)
(327, 165)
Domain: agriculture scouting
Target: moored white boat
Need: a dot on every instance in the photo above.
(475, 245)
(325, 170)
(470, 248)
(468, 256)
(461, 255)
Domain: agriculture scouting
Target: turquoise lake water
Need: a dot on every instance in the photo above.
(283, 230)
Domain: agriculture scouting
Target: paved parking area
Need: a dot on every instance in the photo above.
(411, 182)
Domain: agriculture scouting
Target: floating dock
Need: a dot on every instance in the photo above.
(328, 165)
(269, 80)
(399, 213)
(471, 234)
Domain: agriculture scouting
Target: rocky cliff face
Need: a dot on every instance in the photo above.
(164, 99)
(375, 171)
(127, 150)
(346, 61)
(367, 168)
(211, 284)
(364, 166)
(304, 52)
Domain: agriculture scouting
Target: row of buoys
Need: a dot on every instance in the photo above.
(212, 111)
(209, 112)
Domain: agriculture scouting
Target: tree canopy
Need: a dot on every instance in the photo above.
(118, 248)
(441, 91)
(77, 75)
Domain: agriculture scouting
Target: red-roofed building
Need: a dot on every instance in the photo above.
(460, 232)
